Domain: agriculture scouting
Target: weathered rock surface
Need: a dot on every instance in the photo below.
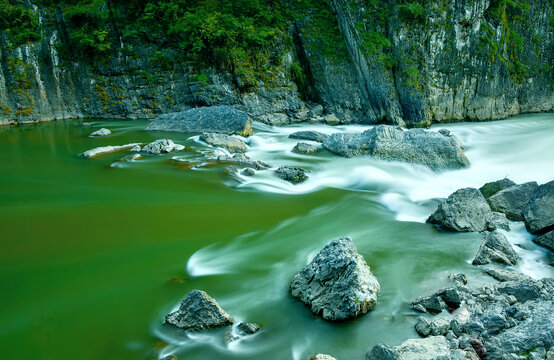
(331, 119)
(309, 135)
(231, 143)
(496, 321)
(431, 348)
(539, 213)
(241, 160)
(245, 328)
(101, 132)
(304, 148)
(291, 174)
(322, 357)
(198, 311)
(162, 146)
(105, 150)
(546, 240)
(491, 188)
(511, 201)
(218, 119)
(428, 148)
(495, 248)
(338, 283)
(466, 210)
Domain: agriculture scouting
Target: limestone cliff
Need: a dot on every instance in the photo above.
(459, 60)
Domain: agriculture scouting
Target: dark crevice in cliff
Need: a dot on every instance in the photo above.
(311, 93)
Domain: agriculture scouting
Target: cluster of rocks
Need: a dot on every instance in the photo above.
(505, 320)
(156, 147)
(198, 311)
(488, 209)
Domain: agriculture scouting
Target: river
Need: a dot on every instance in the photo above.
(96, 251)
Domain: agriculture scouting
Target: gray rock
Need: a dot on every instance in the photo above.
(274, 119)
(291, 174)
(198, 311)
(493, 321)
(105, 150)
(136, 148)
(317, 110)
(522, 290)
(507, 275)
(539, 213)
(309, 135)
(432, 304)
(337, 284)
(247, 328)
(331, 119)
(322, 357)
(304, 148)
(86, 124)
(491, 188)
(464, 210)
(241, 160)
(423, 327)
(101, 132)
(430, 348)
(418, 146)
(161, 146)
(546, 240)
(513, 200)
(219, 119)
(248, 172)
(496, 248)
(231, 143)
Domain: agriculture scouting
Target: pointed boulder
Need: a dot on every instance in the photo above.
(198, 311)
(338, 283)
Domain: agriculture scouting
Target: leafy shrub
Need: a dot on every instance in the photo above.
(19, 23)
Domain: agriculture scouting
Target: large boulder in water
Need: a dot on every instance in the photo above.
(231, 143)
(539, 213)
(338, 283)
(495, 248)
(434, 150)
(198, 311)
(309, 135)
(219, 119)
(511, 201)
(467, 210)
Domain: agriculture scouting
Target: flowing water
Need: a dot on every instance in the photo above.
(96, 251)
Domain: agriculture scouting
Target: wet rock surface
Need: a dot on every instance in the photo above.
(294, 175)
(304, 148)
(491, 188)
(466, 210)
(428, 148)
(218, 119)
(198, 311)
(513, 200)
(162, 146)
(231, 143)
(105, 150)
(337, 284)
(546, 240)
(309, 135)
(539, 213)
(101, 132)
(496, 248)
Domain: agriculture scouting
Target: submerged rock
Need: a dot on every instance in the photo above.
(291, 174)
(248, 172)
(511, 201)
(101, 132)
(466, 210)
(546, 240)
(322, 357)
(428, 148)
(539, 213)
(219, 119)
(136, 148)
(491, 188)
(230, 143)
(309, 135)
(162, 146)
(198, 311)
(304, 148)
(495, 248)
(338, 283)
(104, 150)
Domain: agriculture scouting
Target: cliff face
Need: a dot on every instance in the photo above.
(463, 60)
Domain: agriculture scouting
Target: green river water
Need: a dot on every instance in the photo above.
(94, 254)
